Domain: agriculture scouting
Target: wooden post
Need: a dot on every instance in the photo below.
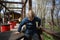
(23, 10)
(30, 4)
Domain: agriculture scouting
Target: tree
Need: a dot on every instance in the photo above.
(52, 10)
(41, 10)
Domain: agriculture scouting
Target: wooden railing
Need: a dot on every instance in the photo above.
(52, 33)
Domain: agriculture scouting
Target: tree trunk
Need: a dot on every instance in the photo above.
(57, 17)
(52, 12)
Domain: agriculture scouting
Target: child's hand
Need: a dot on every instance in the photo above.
(16, 33)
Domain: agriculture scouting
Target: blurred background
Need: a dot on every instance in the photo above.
(13, 11)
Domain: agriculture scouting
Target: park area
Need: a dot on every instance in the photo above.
(12, 12)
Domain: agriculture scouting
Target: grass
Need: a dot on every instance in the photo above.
(55, 28)
(47, 36)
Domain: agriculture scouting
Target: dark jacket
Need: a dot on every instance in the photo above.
(30, 25)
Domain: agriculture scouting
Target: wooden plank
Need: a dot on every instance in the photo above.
(9, 35)
(11, 2)
(52, 33)
(14, 8)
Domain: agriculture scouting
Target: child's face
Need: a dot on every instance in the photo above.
(30, 15)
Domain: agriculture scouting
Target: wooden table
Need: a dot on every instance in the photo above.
(9, 35)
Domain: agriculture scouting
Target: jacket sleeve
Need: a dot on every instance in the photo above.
(39, 21)
(21, 24)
